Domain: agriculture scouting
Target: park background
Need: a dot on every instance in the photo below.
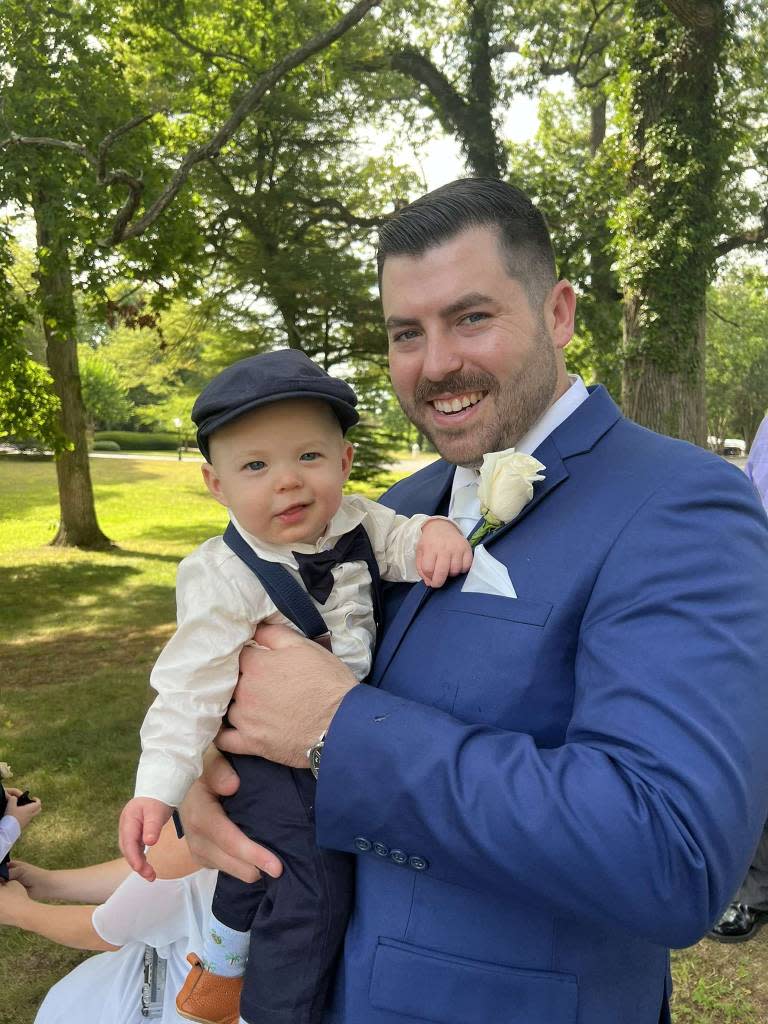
(185, 184)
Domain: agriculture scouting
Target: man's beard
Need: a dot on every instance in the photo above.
(519, 404)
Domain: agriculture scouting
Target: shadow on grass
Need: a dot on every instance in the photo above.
(191, 535)
(44, 596)
(81, 656)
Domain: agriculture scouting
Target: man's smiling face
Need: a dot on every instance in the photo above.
(473, 366)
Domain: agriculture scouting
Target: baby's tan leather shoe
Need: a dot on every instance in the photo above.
(209, 998)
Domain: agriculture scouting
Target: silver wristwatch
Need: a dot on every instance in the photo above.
(314, 754)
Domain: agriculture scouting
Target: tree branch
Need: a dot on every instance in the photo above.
(249, 102)
(754, 237)
(334, 206)
(122, 228)
(452, 108)
(44, 142)
(211, 55)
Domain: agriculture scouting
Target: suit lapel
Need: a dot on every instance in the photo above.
(577, 434)
(430, 498)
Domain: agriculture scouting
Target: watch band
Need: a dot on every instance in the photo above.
(314, 754)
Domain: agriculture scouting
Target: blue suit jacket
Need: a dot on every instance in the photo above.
(546, 793)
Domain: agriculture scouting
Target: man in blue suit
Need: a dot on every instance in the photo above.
(545, 792)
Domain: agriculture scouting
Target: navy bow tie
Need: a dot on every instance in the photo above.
(315, 570)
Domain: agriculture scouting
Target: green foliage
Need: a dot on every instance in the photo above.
(139, 441)
(737, 353)
(28, 406)
(105, 446)
(105, 397)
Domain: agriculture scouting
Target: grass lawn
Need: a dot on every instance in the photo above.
(79, 632)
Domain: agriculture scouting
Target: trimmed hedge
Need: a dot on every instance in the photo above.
(106, 446)
(138, 441)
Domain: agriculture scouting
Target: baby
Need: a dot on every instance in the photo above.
(271, 428)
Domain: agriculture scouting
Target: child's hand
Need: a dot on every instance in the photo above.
(140, 825)
(26, 812)
(34, 879)
(442, 552)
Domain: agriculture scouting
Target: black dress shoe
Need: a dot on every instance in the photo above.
(738, 923)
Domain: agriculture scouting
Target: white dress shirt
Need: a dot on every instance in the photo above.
(10, 830)
(220, 602)
(464, 507)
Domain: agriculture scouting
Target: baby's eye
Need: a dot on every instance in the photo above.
(255, 466)
(309, 456)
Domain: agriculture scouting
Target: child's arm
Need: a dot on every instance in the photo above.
(69, 926)
(443, 551)
(141, 822)
(427, 547)
(218, 608)
(10, 830)
(93, 884)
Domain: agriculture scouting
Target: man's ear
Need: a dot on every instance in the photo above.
(560, 313)
(213, 483)
(347, 458)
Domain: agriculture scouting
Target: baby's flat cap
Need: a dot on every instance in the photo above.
(260, 380)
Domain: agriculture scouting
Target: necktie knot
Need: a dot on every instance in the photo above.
(465, 506)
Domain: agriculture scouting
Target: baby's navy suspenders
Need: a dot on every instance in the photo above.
(289, 596)
(291, 599)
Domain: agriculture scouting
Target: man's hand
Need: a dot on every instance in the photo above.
(26, 812)
(289, 690)
(443, 551)
(140, 825)
(213, 839)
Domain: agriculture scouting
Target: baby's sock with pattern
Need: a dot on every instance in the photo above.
(225, 951)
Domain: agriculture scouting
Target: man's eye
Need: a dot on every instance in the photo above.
(309, 456)
(408, 335)
(255, 466)
(474, 318)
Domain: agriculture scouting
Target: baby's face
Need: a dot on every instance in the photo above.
(281, 469)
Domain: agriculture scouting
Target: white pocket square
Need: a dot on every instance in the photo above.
(488, 576)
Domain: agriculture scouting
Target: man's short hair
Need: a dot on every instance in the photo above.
(477, 203)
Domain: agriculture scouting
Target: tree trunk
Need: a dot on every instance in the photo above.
(78, 526)
(669, 221)
(666, 401)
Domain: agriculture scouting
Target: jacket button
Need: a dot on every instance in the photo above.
(398, 856)
(381, 849)
(418, 863)
(362, 844)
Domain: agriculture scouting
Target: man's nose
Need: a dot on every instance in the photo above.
(441, 356)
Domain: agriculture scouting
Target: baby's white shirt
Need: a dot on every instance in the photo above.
(220, 602)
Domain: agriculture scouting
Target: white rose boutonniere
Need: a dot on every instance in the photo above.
(506, 486)
(5, 770)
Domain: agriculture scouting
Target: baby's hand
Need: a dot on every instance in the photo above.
(24, 813)
(442, 552)
(140, 825)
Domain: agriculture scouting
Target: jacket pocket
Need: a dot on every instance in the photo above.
(533, 613)
(431, 986)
